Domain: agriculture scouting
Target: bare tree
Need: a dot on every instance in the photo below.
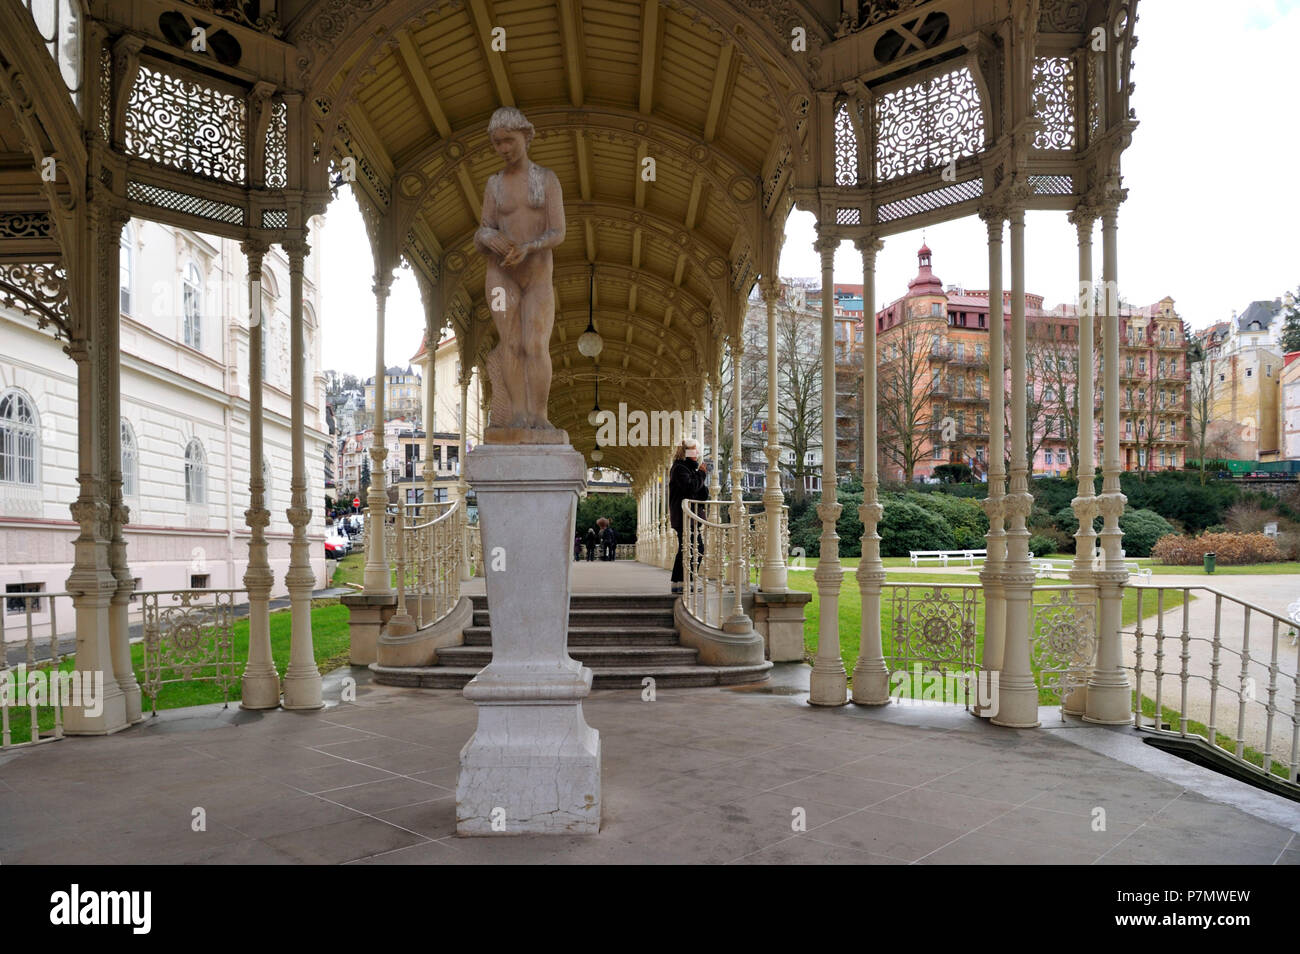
(909, 379)
(799, 389)
(753, 398)
(1200, 393)
(1060, 399)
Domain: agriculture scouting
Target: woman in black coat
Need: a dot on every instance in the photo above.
(590, 541)
(686, 481)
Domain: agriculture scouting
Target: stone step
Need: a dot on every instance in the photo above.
(593, 636)
(604, 601)
(605, 677)
(608, 618)
(633, 658)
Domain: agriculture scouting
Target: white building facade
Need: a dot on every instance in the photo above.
(184, 422)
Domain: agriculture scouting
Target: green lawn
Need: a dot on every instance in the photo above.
(1252, 569)
(850, 613)
(351, 569)
(330, 640)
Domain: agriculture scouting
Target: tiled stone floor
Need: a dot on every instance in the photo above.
(700, 775)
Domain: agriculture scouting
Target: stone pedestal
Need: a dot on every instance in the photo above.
(780, 618)
(368, 614)
(533, 764)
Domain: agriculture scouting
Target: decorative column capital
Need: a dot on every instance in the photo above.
(254, 250)
(299, 517)
(869, 246)
(1110, 196)
(826, 245)
(770, 288)
(297, 249)
(993, 216)
(1083, 217)
(257, 519)
(1111, 506)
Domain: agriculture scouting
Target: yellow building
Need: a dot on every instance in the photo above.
(402, 395)
(1246, 388)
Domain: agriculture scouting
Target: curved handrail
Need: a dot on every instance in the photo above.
(1239, 682)
(714, 559)
(427, 560)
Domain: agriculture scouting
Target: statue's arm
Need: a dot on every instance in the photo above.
(554, 233)
(488, 224)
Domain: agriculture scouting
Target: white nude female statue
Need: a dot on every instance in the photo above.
(523, 220)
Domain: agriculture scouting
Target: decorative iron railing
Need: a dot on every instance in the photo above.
(16, 679)
(715, 558)
(1243, 696)
(928, 639)
(474, 544)
(756, 539)
(428, 545)
(189, 637)
(1063, 637)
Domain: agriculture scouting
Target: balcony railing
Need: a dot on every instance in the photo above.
(430, 543)
(941, 352)
(963, 360)
(969, 398)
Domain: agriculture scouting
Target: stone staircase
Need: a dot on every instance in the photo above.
(623, 638)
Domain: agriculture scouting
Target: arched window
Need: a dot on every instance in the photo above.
(193, 305)
(125, 271)
(130, 461)
(20, 439)
(196, 473)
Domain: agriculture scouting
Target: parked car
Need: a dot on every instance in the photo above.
(335, 535)
(333, 551)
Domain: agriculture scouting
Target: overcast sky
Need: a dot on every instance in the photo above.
(1210, 218)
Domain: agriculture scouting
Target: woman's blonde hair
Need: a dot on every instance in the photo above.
(686, 443)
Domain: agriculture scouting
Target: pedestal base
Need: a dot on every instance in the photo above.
(530, 769)
(533, 764)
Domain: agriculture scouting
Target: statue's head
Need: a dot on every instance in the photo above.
(510, 133)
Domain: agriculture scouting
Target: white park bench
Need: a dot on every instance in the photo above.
(943, 556)
(1045, 568)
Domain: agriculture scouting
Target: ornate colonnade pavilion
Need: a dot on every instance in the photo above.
(683, 133)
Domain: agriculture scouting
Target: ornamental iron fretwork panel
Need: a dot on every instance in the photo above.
(1095, 93)
(1062, 16)
(39, 290)
(105, 92)
(189, 637)
(1054, 92)
(1064, 637)
(24, 225)
(940, 198)
(164, 198)
(931, 626)
(1052, 185)
(928, 124)
(186, 125)
(276, 173)
(846, 148)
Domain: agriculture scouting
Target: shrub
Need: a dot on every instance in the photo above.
(907, 526)
(1142, 528)
(964, 516)
(1230, 549)
(1247, 517)
(1040, 545)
